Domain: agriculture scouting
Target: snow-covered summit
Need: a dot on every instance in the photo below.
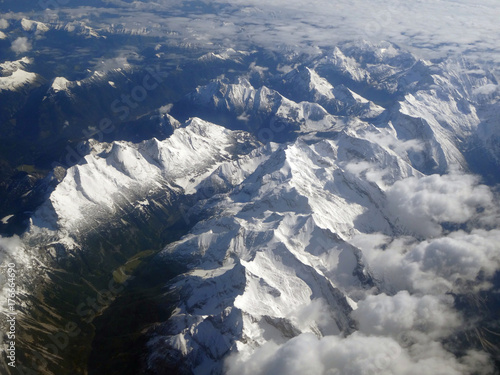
(122, 170)
(9, 67)
(14, 75)
(17, 80)
(60, 84)
(280, 242)
(307, 85)
(30, 25)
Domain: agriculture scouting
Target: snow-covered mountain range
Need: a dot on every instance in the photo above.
(338, 215)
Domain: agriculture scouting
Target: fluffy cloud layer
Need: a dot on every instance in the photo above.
(400, 333)
(401, 326)
(420, 24)
(424, 204)
(459, 256)
(404, 316)
(356, 354)
(435, 266)
(428, 28)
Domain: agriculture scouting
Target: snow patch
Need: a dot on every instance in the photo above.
(60, 84)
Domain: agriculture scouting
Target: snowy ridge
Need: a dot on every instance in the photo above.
(60, 84)
(30, 25)
(433, 106)
(8, 67)
(248, 103)
(14, 75)
(440, 104)
(122, 170)
(283, 256)
(78, 27)
(379, 65)
(305, 84)
(228, 54)
(279, 246)
(280, 259)
(441, 111)
(17, 80)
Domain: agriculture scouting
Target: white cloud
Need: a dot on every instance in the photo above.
(432, 28)
(424, 204)
(387, 139)
(434, 266)
(486, 90)
(387, 260)
(105, 65)
(10, 250)
(428, 28)
(405, 314)
(9, 247)
(356, 354)
(21, 45)
(370, 171)
(3, 23)
(400, 331)
(314, 314)
(124, 60)
(460, 255)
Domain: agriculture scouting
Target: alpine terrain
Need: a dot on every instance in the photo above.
(333, 213)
